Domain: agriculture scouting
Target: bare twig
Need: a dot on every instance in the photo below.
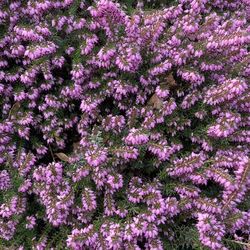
(51, 152)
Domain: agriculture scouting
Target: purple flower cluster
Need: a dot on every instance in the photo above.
(116, 125)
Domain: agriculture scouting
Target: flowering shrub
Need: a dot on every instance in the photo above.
(124, 126)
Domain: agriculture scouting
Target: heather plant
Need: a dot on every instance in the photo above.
(124, 125)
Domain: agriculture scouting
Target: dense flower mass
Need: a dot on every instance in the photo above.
(124, 124)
